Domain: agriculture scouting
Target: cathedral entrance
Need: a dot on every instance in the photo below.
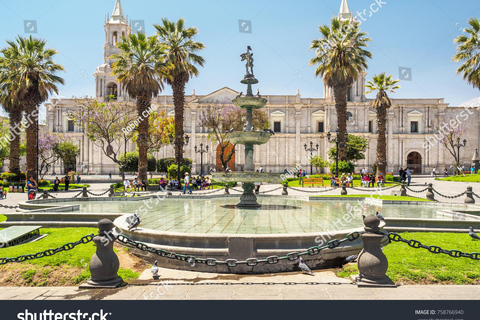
(414, 162)
(227, 151)
(112, 90)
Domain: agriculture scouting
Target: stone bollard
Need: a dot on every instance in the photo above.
(344, 189)
(226, 189)
(403, 190)
(111, 191)
(284, 191)
(430, 194)
(372, 263)
(84, 192)
(45, 194)
(104, 264)
(469, 198)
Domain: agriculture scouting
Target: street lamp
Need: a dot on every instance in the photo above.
(183, 142)
(459, 145)
(311, 150)
(201, 151)
(337, 143)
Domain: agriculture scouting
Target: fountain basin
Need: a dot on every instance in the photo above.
(247, 177)
(250, 138)
(251, 102)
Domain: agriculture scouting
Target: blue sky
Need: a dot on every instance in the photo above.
(407, 33)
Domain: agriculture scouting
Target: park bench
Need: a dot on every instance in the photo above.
(12, 236)
(312, 181)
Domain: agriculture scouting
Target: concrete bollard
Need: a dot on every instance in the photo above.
(403, 190)
(284, 191)
(111, 192)
(104, 264)
(344, 189)
(430, 195)
(226, 189)
(45, 194)
(84, 192)
(469, 198)
(372, 263)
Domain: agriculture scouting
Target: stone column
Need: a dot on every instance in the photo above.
(298, 117)
(390, 161)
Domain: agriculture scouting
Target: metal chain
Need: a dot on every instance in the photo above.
(449, 197)
(311, 191)
(419, 191)
(99, 194)
(77, 194)
(252, 262)
(476, 195)
(433, 249)
(271, 190)
(238, 190)
(48, 252)
(210, 192)
(8, 207)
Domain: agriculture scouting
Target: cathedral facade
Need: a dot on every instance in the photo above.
(413, 138)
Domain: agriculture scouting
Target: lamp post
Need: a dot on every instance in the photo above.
(184, 142)
(311, 150)
(337, 143)
(201, 151)
(459, 145)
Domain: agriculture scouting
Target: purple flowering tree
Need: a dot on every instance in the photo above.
(46, 151)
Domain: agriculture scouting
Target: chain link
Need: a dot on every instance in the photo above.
(77, 194)
(233, 262)
(99, 194)
(414, 191)
(449, 197)
(48, 252)
(263, 192)
(476, 195)
(8, 207)
(433, 249)
(311, 191)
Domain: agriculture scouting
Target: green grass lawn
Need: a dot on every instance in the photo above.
(79, 257)
(418, 266)
(461, 178)
(375, 196)
(2, 218)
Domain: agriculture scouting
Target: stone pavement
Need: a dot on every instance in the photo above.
(186, 285)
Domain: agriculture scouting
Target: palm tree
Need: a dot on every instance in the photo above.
(31, 80)
(181, 57)
(139, 69)
(14, 110)
(382, 102)
(341, 58)
(468, 52)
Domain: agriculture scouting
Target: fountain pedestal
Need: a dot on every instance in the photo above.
(248, 199)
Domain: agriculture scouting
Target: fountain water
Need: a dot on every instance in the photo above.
(249, 137)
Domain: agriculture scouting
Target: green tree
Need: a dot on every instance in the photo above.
(381, 104)
(319, 163)
(67, 151)
(468, 53)
(356, 147)
(31, 78)
(173, 171)
(341, 57)
(181, 58)
(139, 67)
(343, 167)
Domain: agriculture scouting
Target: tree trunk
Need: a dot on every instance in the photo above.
(178, 87)
(381, 141)
(143, 104)
(15, 124)
(32, 129)
(340, 96)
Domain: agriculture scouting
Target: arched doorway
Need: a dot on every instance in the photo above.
(414, 162)
(227, 151)
(112, 90)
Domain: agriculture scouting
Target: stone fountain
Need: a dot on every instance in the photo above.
(249, 137)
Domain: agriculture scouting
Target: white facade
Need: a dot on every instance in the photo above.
(299, 120)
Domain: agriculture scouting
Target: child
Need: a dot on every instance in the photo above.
(31, 195)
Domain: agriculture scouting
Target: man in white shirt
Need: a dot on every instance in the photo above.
(126, 184)
(186, 182)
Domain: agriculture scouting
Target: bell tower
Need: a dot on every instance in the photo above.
(116, 27)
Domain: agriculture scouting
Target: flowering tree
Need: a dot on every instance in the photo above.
(46, 145)
(160, 127)
(223, 117)
(450, 132)
(108, 125)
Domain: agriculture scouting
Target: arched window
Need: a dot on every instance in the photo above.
(115, 38)
(112, 90)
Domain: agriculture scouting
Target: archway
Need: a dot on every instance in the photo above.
(414, 162)
(226, 152)
(112, 90)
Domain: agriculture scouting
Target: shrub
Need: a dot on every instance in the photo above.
(164, 163)
(172, 171)
(343, 167)
(132, 162)
(9, 176)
